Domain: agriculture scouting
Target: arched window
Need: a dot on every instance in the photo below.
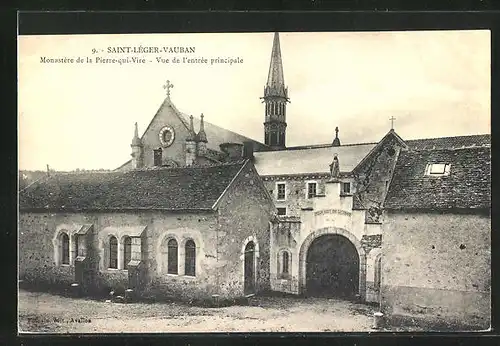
(190, 258)
(172, 257)
(64, 248)
(113, 253)
(127, 251)
(285, 262)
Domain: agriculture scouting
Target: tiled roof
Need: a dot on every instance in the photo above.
(217, 135)
(162, 188)
(468, 184)
(450, 142)
(310, 160)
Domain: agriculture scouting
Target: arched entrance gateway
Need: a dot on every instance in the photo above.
(332, 267)
(332, 264)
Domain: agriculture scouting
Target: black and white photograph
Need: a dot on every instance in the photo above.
(254, 182)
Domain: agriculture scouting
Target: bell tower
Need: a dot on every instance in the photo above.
(275, 98)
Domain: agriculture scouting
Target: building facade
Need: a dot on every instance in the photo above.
(436, 241)
(175, 232)
(347, 220)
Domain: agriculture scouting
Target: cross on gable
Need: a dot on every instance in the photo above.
(392, 122)
(167, 87)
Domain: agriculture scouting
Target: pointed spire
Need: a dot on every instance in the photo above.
(336, 141)
(191, 135)
(202, 136)
(275, 80)
(136, 141)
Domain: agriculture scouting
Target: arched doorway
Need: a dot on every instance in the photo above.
(249, 283)
(332, 267)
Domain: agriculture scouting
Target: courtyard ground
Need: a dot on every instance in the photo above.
(44, 312)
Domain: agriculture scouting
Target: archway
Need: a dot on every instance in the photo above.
(332, 267)
(249, 278)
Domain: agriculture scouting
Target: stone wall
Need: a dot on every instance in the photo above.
(244, 215)
(151, 140)
(436, 266)
(37, 263)
(296, 191)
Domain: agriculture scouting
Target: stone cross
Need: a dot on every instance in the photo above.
(392, 122)
(167, 87)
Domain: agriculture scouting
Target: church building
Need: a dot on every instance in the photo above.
(201, 210)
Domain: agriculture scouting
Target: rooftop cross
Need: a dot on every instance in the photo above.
(392, 122)
(167, 87)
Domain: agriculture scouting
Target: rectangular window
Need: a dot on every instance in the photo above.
(281, 211)
(437, 169)
(346, 187)
(281, 188)
(311, 190)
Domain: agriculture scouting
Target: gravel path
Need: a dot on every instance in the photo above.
(43, 312)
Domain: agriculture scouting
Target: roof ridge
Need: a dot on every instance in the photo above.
(452, 148)
(321, 146)
(420, 139)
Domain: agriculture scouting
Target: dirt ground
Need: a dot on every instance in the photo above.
(44, 312)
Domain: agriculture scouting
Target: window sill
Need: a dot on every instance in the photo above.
(65, 265)
(170, 274)
(189, 277)
(343, 194)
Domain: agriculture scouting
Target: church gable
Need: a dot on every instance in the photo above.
(167, 132)
(374, 173)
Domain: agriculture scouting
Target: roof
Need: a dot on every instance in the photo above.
(468, 186)
(217, 135)
(310, 160)
(193, 188)
(275, 85)
(450, 142)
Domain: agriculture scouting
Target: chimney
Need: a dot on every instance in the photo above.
(248, 150)
(234, 151)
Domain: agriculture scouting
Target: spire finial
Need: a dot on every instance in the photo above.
(191, 135)
(275, 78)
(136, 141)
(336, 141)
(202, 136)
(392, 122)
(167, 87)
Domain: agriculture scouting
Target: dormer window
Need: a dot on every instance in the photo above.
(437, 169)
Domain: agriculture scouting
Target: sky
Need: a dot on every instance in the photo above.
(82, 115)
